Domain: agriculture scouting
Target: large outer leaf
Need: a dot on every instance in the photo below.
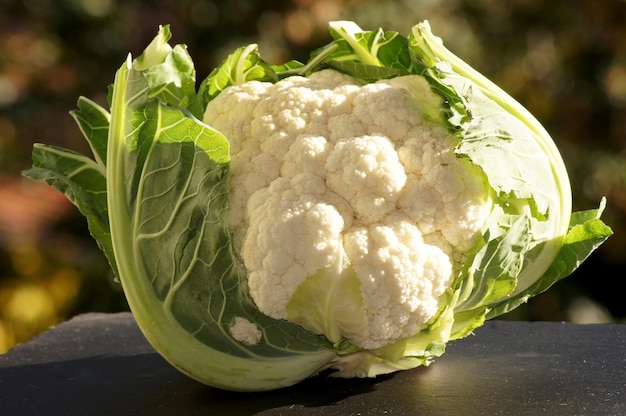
(163, 228)
(167, 175)
(81, 179)
(523, 167)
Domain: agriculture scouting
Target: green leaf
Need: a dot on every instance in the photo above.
(497, 133)
(586, 233)
(81, 179)
(245, 64)
(288, 67)
(83, 182)
(93, 122)
(174, 81)
(169, 73)
(517, 155)
(367, 55)
(168, 174)
(367, 73)
(493, 274)
(373, 48)
(156, 52)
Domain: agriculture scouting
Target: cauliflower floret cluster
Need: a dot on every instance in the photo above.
(325, 166)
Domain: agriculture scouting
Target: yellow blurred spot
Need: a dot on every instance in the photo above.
(615, 83)
(44, 53)
(63, 287)
(26, 259)
(31, 306)
(583, 310)
(96, 8)
(6, 337)
(9, 91)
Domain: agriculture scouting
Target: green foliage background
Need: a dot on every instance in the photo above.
(564, 60)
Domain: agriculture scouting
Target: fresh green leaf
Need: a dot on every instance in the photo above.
(586, 233)
(169, 175)
(369, 56)
(83, 182)
(493, 274)
(93, 121)
(245, 64)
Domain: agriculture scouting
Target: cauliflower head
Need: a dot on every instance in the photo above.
(354, 181)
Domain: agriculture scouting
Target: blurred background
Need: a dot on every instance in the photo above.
(565, 61)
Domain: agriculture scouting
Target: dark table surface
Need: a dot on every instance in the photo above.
(99, 364)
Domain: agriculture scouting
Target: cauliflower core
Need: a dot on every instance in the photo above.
(324, 167)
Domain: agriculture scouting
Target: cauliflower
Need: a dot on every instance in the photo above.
(353, 213)
(325, 167)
